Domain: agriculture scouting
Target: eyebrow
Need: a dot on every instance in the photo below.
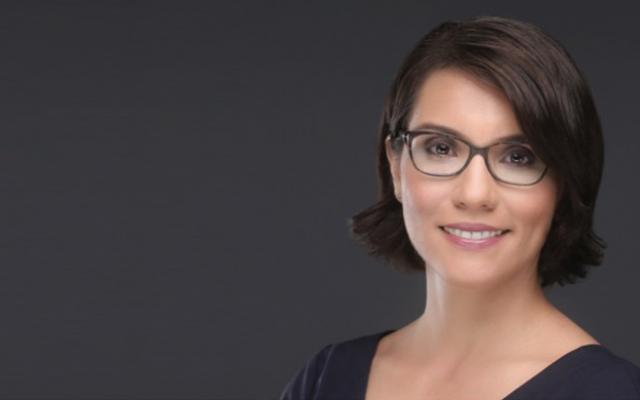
(515, 137)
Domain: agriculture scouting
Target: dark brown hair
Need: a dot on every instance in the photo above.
(554, 107)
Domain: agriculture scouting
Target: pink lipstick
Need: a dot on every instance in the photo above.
(473, 236)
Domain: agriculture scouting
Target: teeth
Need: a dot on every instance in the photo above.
(473, 235)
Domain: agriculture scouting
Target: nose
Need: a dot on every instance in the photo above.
(475, 187)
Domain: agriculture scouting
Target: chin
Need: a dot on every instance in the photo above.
(469, 272)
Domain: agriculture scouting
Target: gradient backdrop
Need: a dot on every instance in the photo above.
(177, 178)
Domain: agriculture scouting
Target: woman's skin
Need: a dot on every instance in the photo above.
(487, 326)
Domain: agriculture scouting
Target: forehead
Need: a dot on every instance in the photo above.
(476, 110)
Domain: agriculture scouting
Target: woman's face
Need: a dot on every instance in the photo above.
(457, 100)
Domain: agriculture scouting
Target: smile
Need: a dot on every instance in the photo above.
(475, 235)
(473, 240)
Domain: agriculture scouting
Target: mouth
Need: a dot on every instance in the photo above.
(474, 235)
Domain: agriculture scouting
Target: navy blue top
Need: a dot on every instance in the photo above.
(340, 371)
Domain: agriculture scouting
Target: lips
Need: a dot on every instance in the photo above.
(473, 227)
(475, 241)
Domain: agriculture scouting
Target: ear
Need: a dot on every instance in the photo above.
(393, 158)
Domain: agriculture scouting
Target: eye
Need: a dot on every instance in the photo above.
(520, 156)
(440, 147)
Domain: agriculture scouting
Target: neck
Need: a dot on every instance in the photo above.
(464, 321)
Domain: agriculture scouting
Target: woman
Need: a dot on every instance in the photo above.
(490, 158)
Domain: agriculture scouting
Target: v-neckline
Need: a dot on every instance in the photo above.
(534, 380)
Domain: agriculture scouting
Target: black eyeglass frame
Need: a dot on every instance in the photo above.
(407, 136)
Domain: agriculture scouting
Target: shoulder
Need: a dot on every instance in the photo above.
(331, 366)
(602, 374)
(613, 377)
(305, 381)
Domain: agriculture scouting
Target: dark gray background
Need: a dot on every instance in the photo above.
(177, 177)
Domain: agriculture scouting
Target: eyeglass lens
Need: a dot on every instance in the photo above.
(442, 155)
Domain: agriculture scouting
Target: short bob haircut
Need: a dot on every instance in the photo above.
(554, 107)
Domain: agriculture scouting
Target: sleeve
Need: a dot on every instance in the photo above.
(304, 384)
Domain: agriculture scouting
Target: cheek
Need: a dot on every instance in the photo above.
(533, 210)
(423, 206)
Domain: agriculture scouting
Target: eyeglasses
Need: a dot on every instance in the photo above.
(440, 154)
